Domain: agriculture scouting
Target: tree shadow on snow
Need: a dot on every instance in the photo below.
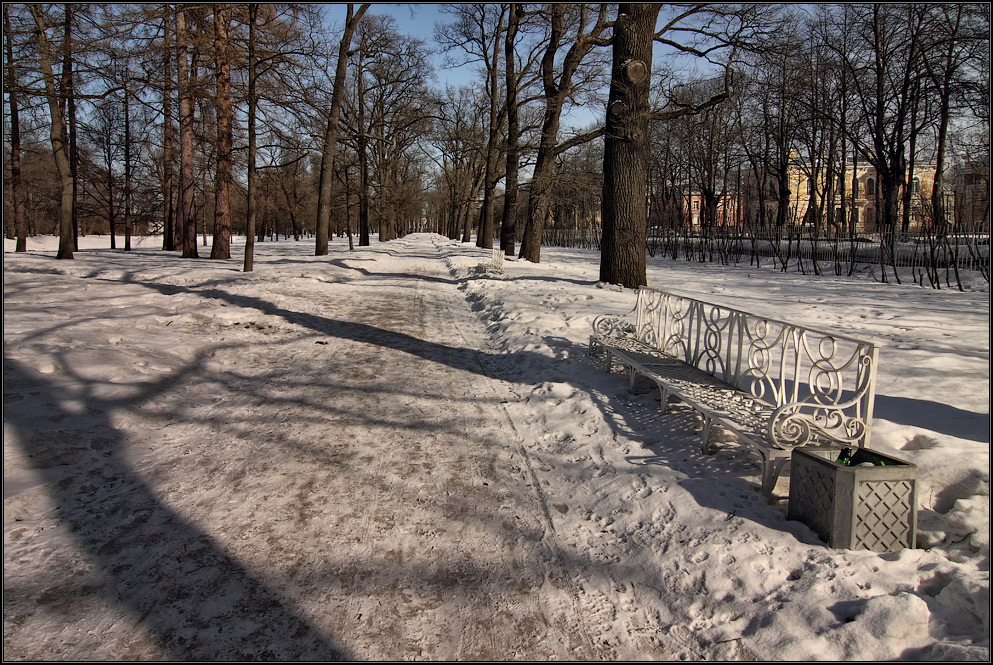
(934, 416)
(197, 602)
(633, 421)
(456, 357)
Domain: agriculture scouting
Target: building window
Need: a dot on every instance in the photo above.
(917, 185)
(696, 205)
(870, 187)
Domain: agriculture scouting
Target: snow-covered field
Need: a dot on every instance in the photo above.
(396, 453)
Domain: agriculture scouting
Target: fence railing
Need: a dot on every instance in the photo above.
(931, 258)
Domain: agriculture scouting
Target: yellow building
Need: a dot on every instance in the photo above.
(862, 198)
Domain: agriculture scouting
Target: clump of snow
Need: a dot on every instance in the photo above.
(402, 452)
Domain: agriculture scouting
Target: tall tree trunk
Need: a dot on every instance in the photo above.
(538, 196)
(556, 92)
(127, 171)
(508, 227)
(539, 208)
(16, 193)
(57, 135)
(111, 211)
(326, 187)
(626, 148)
(221, 248)
(363, 159)
(944, 84)
(186, 210)
(908, 185)
(484, 238)
(69, 107)
(168, 228)
(249, 264)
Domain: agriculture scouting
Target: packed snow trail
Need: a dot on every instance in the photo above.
(327, 473)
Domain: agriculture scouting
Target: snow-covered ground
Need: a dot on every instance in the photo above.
(397, 453)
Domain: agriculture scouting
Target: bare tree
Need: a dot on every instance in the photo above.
(507, 225)
(955, 40)
(477, 31)
(221, 248)
(168, 223)
(326, 187)
(249, 263)
(577, 29)
(698, 30)
(185, 70)
(458, 138)
(16, 193)
(57, 135)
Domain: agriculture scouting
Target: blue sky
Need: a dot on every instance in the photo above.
(416, 20)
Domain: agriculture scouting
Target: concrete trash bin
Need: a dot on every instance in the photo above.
(855, 507)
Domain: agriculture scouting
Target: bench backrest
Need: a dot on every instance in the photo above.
(778, 362)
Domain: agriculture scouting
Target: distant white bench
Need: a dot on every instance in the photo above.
(776, 385)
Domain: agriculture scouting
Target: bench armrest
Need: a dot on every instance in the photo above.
(612, 326)
(798, 423)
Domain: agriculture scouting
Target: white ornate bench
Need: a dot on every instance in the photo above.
(776, 385)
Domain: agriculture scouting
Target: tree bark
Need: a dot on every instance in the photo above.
(556, 92)
(363, 156)
(249, 263)
(128, 221)
(484, 238)
(168, 228)
(16, 192)
(624, 211)
(57, 135)
(221, 248)
(186, 210)
(69, 101)
(326, 187)
(508, 224)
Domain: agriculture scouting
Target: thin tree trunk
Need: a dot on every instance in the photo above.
(221, 248)
(326, 187)
(249, 264)
(484, 238)
(363, 160)
(168, 235)
(57, 135)
(127, 172)
(944, 93)
(186, 211)
(508, 228)
(69, 100)
(16, 193)
(111, 212)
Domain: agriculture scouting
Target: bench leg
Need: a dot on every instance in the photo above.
(664, 399)
(705, 446)
(632, 377)
(771, 470)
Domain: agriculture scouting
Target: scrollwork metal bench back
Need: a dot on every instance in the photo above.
(784, 364)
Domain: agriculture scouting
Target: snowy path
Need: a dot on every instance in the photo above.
(350, 486)
(386, 454)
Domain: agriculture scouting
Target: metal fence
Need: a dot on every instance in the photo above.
(930, 259)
